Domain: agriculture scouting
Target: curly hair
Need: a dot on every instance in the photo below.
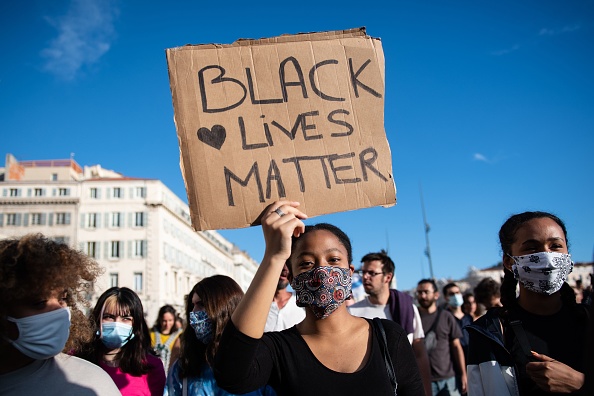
(220, 295)
(35, 266)
(132, 356)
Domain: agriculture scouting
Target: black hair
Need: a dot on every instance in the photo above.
(448, 287)
(486, 289)
(507, 236)
(162, 311)
(427, 280)
(338, 233)
(382, 255)
(132, 356)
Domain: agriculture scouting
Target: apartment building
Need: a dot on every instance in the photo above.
(137, 229)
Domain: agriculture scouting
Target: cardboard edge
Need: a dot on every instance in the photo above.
(284, 38)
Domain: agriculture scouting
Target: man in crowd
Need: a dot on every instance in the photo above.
(382, 302)
(488, 293)
(284, 312)
(442, 335)
(454, 301)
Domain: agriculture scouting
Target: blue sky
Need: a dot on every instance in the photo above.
(489, 106)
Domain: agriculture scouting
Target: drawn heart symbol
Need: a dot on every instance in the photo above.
(214, 137)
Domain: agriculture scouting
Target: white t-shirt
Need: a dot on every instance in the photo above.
(288, 316)
(366, 309)
(62, 375)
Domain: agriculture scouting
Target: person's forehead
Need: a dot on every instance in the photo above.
(372, 264)
(454, 290)
(425, 286)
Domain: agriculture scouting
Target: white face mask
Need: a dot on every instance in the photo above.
(44, 335)
(542, 272)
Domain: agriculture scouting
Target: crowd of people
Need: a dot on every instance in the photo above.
(525, 336)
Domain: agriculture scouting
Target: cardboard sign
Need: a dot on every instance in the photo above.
(297, 117)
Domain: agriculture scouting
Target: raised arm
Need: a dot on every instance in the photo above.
(250, 315)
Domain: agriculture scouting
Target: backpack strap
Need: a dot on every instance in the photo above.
(380, 333)
(434, 324)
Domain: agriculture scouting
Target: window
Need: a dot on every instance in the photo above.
(63, 192)
(38, 192)
(14, 192)
(54, 177)
(116, 219)
(140, 192)
(91, 250)
(138, 281)
(117, 192)
(62, 218)
(139, 248)
(114, 280)
(92, 220)
(94, 193)
(139, 219)
(37, 219)
(12, 219)
(115, 251)
(60, 239)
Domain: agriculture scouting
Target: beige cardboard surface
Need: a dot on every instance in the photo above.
(298, 117)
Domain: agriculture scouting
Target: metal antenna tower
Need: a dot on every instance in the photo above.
(427, 229)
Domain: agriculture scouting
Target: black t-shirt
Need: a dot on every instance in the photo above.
(284, 361)
(561, 336)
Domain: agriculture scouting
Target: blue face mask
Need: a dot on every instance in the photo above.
(456, 300)
(202, 326)
(115, 334)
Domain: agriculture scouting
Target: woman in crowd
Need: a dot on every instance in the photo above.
(43, 284)
(208, 308)
(165, 336)
(330, 352)
(122, 344)
(535, 343)
(469, 306)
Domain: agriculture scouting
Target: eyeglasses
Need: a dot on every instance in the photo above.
(370, 273)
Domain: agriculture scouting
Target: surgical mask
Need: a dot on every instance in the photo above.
(202, 326)
(323, 289)
(455, 300)
(543, 272)
(42, 336)
(115, 334)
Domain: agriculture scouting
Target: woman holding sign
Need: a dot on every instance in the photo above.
(330, 352)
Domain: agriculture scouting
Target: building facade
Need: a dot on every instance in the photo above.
(137, 229)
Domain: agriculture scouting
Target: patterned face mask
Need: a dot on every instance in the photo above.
(323, 289)
(202, 326)
(542, 272)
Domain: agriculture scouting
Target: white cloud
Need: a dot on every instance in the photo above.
(506, 51)
(85, 33)
(555, 32)
(480, 157)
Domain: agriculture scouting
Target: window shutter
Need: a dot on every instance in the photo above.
(19, 192)
(107, 222)
(82, 220)
(42, 218)
(130, 220)
(98, 250)
(144, 248)
(17, 219)
(81, 247)
(108, 195)
(28, 192)
(132, 192)
(144, 219)
(4, 192)
(67, 218)
(26, 219)
(130, 249)
(50, 219)
(98, 193)
(98, 219)
(53, 192)
(107, 247)
(1, 220)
